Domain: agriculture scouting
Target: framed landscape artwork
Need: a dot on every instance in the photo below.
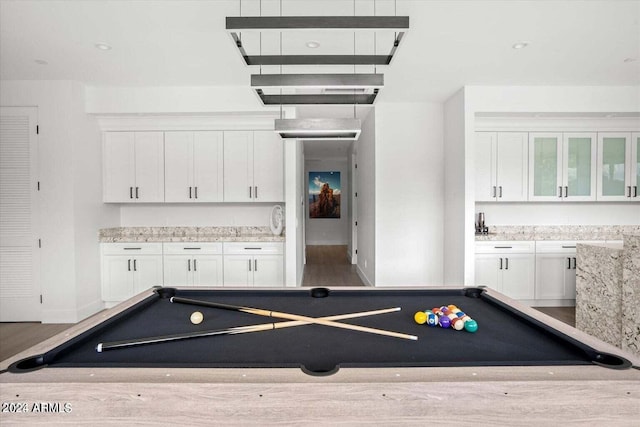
(324, 194)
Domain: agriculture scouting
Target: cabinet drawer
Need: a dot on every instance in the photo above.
(501, 247)
(193, 248)
(131, 248)
(560, 247)
(253, 248)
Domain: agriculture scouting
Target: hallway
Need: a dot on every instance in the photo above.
(329, 266)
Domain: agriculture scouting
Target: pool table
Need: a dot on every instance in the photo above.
(518, 361)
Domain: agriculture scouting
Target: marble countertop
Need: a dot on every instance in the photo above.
(188, 234)
(558, 232)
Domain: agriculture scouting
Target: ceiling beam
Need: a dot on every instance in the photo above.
(265, 23)
(318, 129)
(317, 99)
(339, 81)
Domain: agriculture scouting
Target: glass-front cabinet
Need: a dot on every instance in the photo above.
(562, 166)
(618, 170)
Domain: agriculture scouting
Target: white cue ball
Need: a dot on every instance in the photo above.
(196, 317)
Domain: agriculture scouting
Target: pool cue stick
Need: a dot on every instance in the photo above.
(231, 331)
(281, 315)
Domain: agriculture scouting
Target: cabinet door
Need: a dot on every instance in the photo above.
(147, 272)
(149, 155)
(511, 166)
(117, 278)
(268, 167)
(552, 272)
(613, 169)
(178, 167)
(570, 280)
(118, 167)
(207, 270)
(579, 166)
(517, 276)
(238, 166)
(488, 271)
(545, 167)
(177, 270)
(208, 166)
(634, 171)
(238, 270)
(268, 270)
(485, 165)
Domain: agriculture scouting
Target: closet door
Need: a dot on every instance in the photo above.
(19, 256)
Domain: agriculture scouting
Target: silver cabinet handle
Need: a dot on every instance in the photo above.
(635, 191)
(255, 265)
(131, 192)
(500, 263)
(500, 190)
(560, 190)
(255, 193)
(249, 191)
(132, 249)
(189, 192)
(249, 265)
(195, 265)
(568, 246)
(503, 247)
(568, 263)
(494, 191)
(574, 263)
(628, 191)
(196, 192)
(188, 265)
(507, 263)
(135, 268)
(191, 248)
(566, 191)
(137, 189)
(128, 265)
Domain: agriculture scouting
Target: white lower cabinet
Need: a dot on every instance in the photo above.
(253, 264)
(507, 267)
(193, 264)
(128, 269)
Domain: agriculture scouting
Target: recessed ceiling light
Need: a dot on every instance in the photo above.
(520, 45)
(312, 44)
(103, 46)
(630, 59)
(40, 62)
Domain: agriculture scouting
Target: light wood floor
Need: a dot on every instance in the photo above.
(326, 266)
(329, 266)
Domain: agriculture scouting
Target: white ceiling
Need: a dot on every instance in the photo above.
(449, 44)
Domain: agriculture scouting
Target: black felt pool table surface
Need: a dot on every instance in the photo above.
(504, 336)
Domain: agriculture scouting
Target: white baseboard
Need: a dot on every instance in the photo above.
(363, 277)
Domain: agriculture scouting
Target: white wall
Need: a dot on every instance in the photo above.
(365, 182)
(329, 231)
(409, 213)
(70, 216)
(206, 214)
(455, 220)
(163, 100)
(596, 213)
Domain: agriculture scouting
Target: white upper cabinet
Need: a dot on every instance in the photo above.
(562, 166)
(501, 166)
(238, 173)
(133, 167)
(254, 170)
(268, 167)
(193, 166)
(617, 175)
